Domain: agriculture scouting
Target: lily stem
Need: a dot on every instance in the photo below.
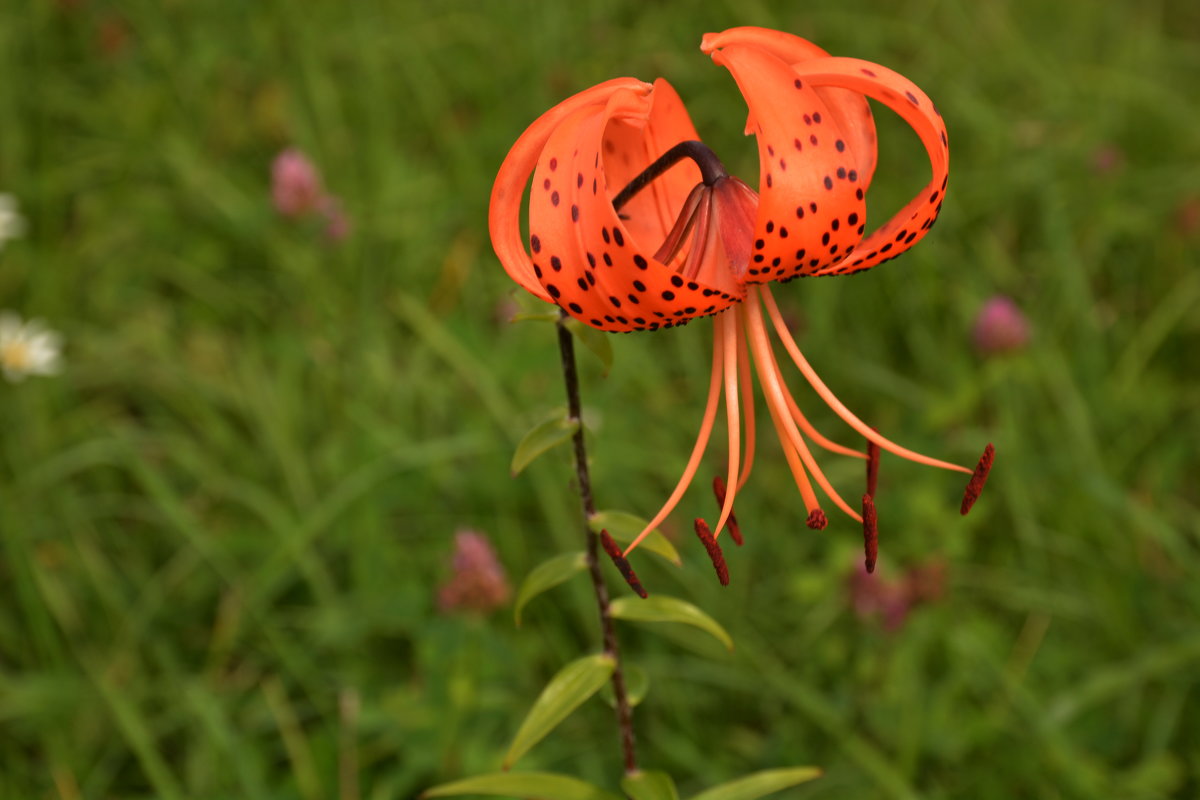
(566, 347)
(711, 169)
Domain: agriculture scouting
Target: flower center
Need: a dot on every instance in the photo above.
(15, 355)
(717, 218)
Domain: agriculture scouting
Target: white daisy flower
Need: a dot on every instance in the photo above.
(12, 224)
(27, 348)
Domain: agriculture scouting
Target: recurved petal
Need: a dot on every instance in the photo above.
(590, 262)
(504, 212)
(901, 95)
(632, 144)
(850, 109)
(811, 194)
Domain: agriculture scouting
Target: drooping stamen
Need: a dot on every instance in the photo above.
(789, 451)
(747, 389)
(831, 400)
(728, 330)
(978, 478)
(872, 467)
(870, 532)
(775, 393)
(731, 523)
(693, 463)
(817, 520)
(710, 166)
(622, 563)
(714, 551)
(807, 427)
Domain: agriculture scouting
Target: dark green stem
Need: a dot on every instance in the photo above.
(566, 347)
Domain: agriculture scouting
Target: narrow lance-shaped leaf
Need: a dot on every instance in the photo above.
(623, 527)
(658, 608)
(566, 691)
(546, 576)
(649, 785)
(760, 784)
(550, 432)
(544, 785)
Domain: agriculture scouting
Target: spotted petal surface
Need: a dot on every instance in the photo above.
(591, 261)
(797, 94)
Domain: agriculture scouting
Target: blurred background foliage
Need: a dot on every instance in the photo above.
(224, 525)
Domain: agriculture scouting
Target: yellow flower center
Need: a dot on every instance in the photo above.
(15, 355)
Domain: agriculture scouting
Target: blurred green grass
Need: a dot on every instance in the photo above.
(222, 528)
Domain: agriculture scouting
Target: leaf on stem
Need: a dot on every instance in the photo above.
(546, 576)
(567, 690)
(550, 432)
(545, 785)
(649, 785)
(637, 685)
(760, 784)
(659, 608)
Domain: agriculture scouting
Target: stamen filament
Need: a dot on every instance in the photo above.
(775, 393)
(689, 471)
(719, 492)
(807, 426)
(831, 400)
(872, 467)
(728, 331)
(747, 389)
(807, 494)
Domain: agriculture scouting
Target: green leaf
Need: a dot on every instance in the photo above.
(594, 340)
(545, 785)
(649, 786)
(637, 684)
(658, 608)
(546, 576)
(566, 691)
(623, 527)
(760, 784)
(534, 316)
(550, 432)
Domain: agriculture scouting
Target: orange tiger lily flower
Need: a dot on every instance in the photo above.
(635, 225)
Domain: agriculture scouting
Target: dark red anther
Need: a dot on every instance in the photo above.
(731, 523)
(870, 532)
(978, 478)
(816, 520)
(714, 551)
(614, 552)
(872, 467)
